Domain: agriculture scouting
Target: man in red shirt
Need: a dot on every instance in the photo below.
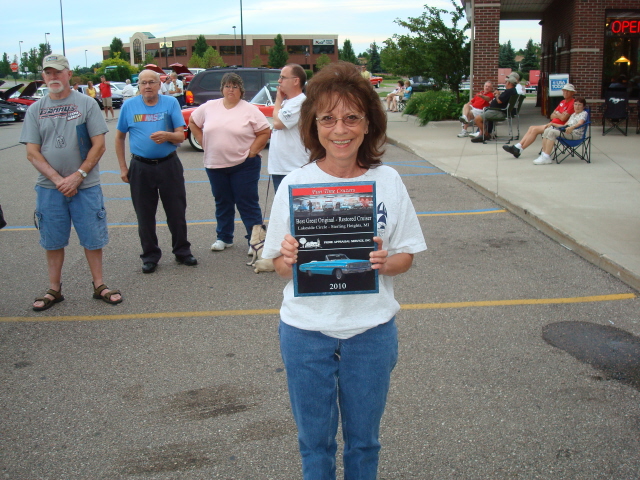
(475, 107)
(559, 116)
(105, 93)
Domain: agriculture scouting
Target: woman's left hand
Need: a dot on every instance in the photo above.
(378, 258)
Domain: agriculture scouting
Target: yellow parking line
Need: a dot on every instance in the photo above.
(411, 306)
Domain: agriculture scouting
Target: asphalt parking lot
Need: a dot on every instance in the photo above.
(184, 380)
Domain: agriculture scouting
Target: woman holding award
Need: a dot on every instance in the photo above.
(339, 350)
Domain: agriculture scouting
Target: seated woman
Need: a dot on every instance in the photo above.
(392, 98)
(573, 130)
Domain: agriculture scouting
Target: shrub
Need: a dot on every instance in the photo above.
(433, 106)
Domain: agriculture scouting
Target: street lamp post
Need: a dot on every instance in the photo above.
(235, 45)
(20, 47)
(64, 52)
(241, 35)
(86, 65)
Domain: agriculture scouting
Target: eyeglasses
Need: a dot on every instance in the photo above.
(232, 87)
(150, 82)
(282, 77)
(329, 121)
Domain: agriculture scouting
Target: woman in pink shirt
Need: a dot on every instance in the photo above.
(233, 133)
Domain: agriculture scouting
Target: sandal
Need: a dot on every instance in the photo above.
(97, 294)
(48, 303)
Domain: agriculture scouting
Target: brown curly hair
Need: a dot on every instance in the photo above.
(342, 82)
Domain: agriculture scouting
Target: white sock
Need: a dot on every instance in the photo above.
(519, 146)
(545, 155)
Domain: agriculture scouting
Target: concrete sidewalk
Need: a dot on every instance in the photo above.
(592, 209)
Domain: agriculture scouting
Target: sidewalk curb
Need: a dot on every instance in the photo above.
(597, 259)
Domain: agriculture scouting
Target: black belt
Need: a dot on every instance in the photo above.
(152, 161)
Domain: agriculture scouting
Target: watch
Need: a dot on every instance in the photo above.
(82, 172)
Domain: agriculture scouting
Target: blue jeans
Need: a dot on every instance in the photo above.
(328, 377)
(232, 187)
(277, 179)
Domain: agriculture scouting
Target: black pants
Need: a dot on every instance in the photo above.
(164, 180)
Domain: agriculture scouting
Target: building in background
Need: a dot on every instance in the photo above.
(302, 49)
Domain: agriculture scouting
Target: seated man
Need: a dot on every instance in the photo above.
(499, 102)
(559, 117)
(473, 108)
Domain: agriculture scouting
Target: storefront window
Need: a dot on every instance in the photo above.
(621, 52)
(230, 50)
(137, 51)
(320, 49)
(181, 51)
(297, 49)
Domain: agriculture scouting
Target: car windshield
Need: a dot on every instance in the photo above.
(337, 256)
(263, 97)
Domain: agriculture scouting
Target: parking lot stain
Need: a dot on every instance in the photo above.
(167, 458)
(614, 351)
(211, 402)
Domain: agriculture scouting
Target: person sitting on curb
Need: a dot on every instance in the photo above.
(558, 118)
(392, 98)
(497, 108)
(473, 108)
(573, 130)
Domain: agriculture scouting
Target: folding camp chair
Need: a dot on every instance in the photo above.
(403, 102)
(503, 114)
(616, 111)
(580, 148)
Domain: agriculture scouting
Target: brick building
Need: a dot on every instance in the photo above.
(594, 41)
(302, 49)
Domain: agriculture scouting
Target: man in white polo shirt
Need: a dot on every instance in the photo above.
(286, 152)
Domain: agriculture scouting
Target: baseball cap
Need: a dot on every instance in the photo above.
(55, 60)
(569, 87)
(513, 79)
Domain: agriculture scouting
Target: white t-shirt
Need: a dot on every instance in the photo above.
(286, 151)
(343, 316)
(227, 134)
(177, 89)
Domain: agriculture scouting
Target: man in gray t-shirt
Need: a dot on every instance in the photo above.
(64, 134)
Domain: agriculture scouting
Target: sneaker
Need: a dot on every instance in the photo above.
(219, 245)
(463, 133)
(474, 135)
(463, 119)
(512, 149)
(250, 252)
(543, 160)
(480, 138)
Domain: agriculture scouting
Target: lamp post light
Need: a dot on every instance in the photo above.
(46, 42)
(235, 45)
(86, 65)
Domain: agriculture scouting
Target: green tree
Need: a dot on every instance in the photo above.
(278, 55)
(212, 58)
(195, 61)
(117, 47)
(347, 54)
(322, 61)
(530, 60)
(435, 49)
(200, 47)
(507, 58)
(118, 62)
(5, 66)
(374, 64)
(256, 62)
(148, 58)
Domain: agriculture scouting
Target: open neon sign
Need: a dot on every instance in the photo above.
(623, 27)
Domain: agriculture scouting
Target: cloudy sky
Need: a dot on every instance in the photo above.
(92, 25)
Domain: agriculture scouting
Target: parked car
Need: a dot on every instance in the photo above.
(26, 97)
(375, 81)
(116, 95)
(206, 85)
(6, 115)
(420, 81)
(19, 110)
(178, 68)
(262, 100)
(336, 264)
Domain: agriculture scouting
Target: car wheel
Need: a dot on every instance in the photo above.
(377, 85)
(338, 274)
(194, 143)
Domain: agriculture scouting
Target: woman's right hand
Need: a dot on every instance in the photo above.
(289, 250)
